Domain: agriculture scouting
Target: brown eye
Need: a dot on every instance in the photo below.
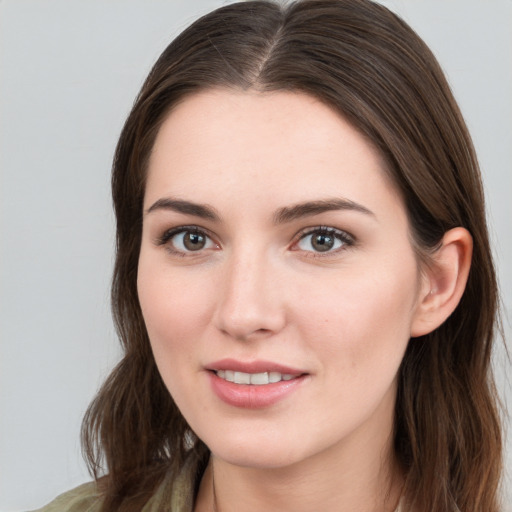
(186, 240)
(322, 243)
(194, 241)
(324, 240)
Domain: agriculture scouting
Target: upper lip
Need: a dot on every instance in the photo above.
(252, 367)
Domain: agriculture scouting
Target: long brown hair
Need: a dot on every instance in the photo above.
(366, 63)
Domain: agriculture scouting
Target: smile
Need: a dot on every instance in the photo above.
(255, 384)
(256, 379)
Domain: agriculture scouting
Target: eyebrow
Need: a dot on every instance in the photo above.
(310, 208)
(282, 215)
(203, 211)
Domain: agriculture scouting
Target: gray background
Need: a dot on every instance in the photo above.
(69, 70)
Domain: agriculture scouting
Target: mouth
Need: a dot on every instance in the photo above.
(255, 379)
(256, 384)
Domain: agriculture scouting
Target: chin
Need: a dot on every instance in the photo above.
(259, 452)
(261, 458)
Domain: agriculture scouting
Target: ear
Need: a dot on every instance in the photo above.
(444, 282)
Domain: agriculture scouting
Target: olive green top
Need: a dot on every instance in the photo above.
(169, 496)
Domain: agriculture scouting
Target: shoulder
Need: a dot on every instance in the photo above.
(84, 498)
(175, 493)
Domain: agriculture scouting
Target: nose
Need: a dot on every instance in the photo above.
(250, 301)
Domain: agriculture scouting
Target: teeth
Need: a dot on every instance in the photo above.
(242, 378)
(274, 376)
(256, 379)
(259, 378)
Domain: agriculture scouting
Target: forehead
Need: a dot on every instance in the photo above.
(258, 121)
(281, 147)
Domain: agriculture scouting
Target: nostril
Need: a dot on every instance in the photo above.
(257, 333)
(245, 333)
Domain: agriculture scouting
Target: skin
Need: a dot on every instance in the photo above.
(259, 290)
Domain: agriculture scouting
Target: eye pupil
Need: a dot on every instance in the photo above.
(194, 241)
(322, 242)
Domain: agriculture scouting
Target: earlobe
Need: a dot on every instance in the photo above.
(444, 282)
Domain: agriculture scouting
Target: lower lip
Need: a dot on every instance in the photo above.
(250, 396)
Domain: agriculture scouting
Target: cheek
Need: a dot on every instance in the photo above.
(177, 311)
(171, 319)
(172, 304)
(363, 320)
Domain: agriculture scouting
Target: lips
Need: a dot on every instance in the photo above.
(253, 367)
(256, 379)
(254, 384)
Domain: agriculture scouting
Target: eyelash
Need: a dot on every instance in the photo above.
(171, 233)
(345, 238)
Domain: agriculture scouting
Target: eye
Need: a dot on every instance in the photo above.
(324, 240)
(186, 240)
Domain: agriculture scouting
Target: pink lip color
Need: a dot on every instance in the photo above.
(252, 367)
(249, 396)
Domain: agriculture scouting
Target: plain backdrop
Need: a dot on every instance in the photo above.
(69, 71)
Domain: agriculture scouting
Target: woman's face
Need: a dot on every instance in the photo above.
(275, 254)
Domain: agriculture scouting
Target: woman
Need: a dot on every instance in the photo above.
(303, 286)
